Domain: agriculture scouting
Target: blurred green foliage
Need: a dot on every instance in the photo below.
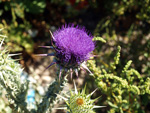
(127, 24)
(13, 19)
(123, 89)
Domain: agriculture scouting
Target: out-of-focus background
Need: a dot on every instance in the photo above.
(119, 22)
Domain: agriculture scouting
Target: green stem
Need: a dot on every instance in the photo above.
(50, 97)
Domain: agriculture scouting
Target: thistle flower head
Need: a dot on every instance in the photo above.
(73, 47)
(79, 102)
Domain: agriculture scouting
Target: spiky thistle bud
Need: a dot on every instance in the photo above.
(73, 47)
(79, 102)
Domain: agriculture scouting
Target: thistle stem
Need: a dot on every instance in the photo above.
(50, 97)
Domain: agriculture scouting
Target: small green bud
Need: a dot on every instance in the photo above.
(79, 102)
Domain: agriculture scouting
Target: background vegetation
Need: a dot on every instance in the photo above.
(124, 24)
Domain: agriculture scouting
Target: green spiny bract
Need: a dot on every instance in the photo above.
(79, 102)
(10, 73)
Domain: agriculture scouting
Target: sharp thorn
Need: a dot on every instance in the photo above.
(17, 59)
(92, 93)
(85, 67)
(60, 74)
(99, 106)
(49, 47)
(76, 71)
(10, 55)
(51, 34)
(51, 65)
(50, 54)
(2, 42)
(75, 87)
(71, 72)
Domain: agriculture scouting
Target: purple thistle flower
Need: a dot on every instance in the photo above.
(73, 46)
